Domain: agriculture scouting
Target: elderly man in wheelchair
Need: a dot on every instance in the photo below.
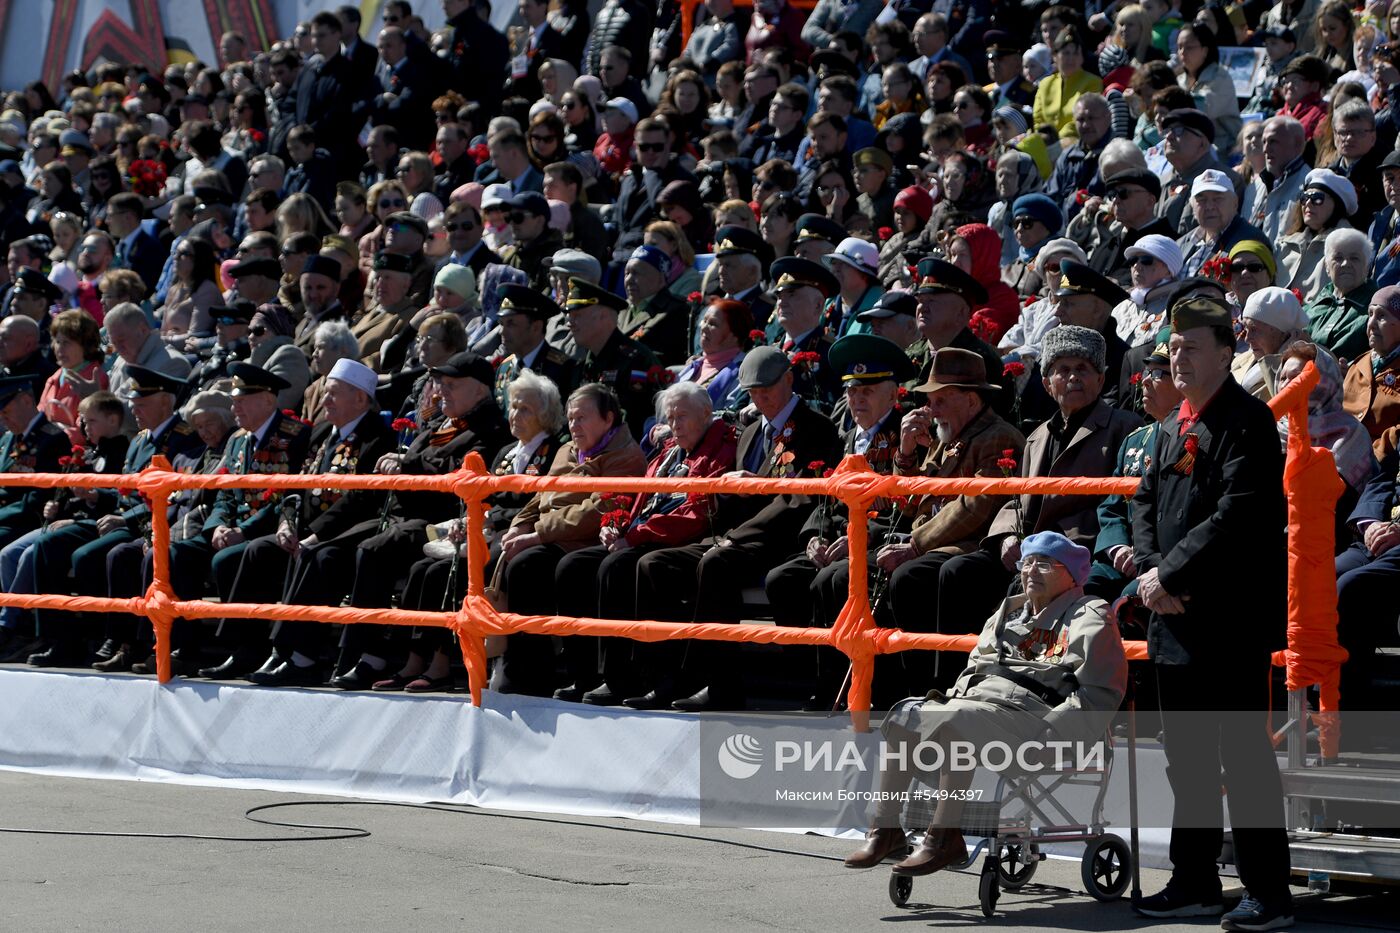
(1048, 667)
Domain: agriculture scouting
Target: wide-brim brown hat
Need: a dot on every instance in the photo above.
(957, 369)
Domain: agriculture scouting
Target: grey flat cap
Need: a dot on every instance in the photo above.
(762, 366)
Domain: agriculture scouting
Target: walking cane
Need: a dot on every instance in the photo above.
(291, 513)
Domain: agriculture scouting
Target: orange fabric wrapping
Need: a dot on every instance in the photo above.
(1312, 652)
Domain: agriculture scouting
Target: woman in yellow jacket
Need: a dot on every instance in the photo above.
(1055, 97)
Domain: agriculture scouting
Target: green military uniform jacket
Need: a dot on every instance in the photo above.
(661, 323)
(282, 450)
(35, 451)
(550, 362)
(633, 372)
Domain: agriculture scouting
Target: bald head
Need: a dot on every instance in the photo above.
(1388, 298)
(19, 337)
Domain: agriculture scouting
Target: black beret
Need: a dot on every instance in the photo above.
(322, 265)
(385, 261)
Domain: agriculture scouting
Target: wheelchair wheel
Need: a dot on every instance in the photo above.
(901, 886)
(988, 890)
(1012, 873)
(1106, 868)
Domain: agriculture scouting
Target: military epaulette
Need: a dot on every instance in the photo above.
(553, 355)
(182, 428)
(291, 427)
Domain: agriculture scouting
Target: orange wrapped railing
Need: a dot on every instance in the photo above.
(1312, 656)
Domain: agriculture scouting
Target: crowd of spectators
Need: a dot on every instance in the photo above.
(948, 237)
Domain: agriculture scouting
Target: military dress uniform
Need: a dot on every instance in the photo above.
(36, 450)
(319, 574)
(546, 360)
(629, 368)
(78, 547)
(281, 449)
(660, 323)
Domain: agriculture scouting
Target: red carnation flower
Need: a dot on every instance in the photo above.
(694, 297)
(816, 466)
(266, 496)
(806, 358)
(1134, 379)
(1081, 196)
(827, 472)
(901, 392)
(757, 335)
(65, 461)
(79, 450)
(1297, 293)
(1014, 370)
(1007, 464)
(1192, 444)
(479, 152)
(885, 233)
(403, 424)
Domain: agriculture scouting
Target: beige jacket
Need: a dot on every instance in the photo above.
(572, 519)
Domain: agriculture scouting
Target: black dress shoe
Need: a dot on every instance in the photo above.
(234, 666)
(652, 699)
(22, 649)
(59, 654)
(359, 677)
(109, 648)
(603, 695)
(704, 701)
(573, 693)
(287, 674)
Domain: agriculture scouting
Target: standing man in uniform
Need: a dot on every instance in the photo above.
(617, 361)
(1211, 500)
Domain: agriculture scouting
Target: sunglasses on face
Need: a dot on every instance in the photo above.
(1156, 375)
(257, 331)
(385, 203)
(570, 104)
(464, 225)
(1143, 261)
(1022, 223)
(1118, 194)
(651, 147)
(541, 137)
(227, 321)
(1249, 268)
(1312, 197)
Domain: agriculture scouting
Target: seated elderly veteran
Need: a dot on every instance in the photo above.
(231, 323)
(438, 582)
(1154, 262)
(725, 335)
(268, 443)
(1082, 438)
(80, 548)
(612, 358)
(704, 581)
(381, 548)
(31, 444)
(1273, 318)
(1371, 390)
(297, 559)
(654, 317)
(600, 581)
(802, 288)
(524, 316)
(810, 589)
(392, 307)
(1337, 314)
(554, 524)
(1086, 299)
(955, 434)
(100, 418)
(1048, 666)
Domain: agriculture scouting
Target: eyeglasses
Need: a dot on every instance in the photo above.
(465, 225)
(1247, 268)
(1118, 194)
(385, 203)
(1155, 375)
(651, 147)
(226, 321)
(256, 331)
(542, 138)
(1312, 197)
(1176, 131)
(570, 104)
(1024, 222)
(1040, 565)
(403, 170)
(1348, 134)
(424, 339)
(1143, 261)
(516, 217)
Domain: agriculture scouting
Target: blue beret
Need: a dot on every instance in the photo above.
(1057, 547)
(1042, 208)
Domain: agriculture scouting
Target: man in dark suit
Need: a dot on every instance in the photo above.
(1212, 500)
(654, 169)
(704, 582)
(803, 287)
(479, 54)
(458, 167)
(330, 95)
(361, 54)
(405, 93)
(946, 296)
(464, 230)
(137, 249)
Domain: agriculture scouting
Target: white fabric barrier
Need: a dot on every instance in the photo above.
(513, 753)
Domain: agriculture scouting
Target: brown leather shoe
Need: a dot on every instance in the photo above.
(147, 666)
(120, 660)
(940, 848)
(880, 844)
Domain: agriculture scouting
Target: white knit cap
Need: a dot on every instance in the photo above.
(1058, 249)
(1158, 247)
